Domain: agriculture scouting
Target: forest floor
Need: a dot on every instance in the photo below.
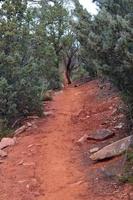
(48, 164)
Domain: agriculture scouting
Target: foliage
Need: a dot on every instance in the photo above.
(107, 42)
(35, 41)
(82, 25)
(127, 175)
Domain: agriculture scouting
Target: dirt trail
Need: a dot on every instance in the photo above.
(47, 164)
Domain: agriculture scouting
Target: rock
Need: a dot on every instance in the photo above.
(30, 146)
(82, 139)
(21, 162)
(114, 112)
(3, 154)
(5, 142)
(101, 134)
(28, 164)
(130, 196)
(113, 149)
(20, 130)
(48, 113)
(22, 181)
(28, 124)
(119, 126)
(95, 149)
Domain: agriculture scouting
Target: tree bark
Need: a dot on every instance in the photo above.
(68, 76)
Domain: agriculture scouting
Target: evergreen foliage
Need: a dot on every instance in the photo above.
(107, 42)
(30, 46)
(38, 43)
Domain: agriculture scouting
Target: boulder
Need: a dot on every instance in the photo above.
(113, 149)
(5, 142)
(101, 134)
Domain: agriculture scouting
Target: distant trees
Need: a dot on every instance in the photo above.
(82, 26)
(107, 42)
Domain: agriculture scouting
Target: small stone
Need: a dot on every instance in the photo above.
(27, 186)
(48, 113)
(119, 126)
(110, 107)
(28, 124)
(31, 145)
(21, 162)
(29, 164)
(20, 130)
(22, 181)
(87, 116)
(114, 111)
(82, 139)
(3, 154)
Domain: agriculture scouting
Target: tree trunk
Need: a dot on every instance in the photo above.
(68, 76)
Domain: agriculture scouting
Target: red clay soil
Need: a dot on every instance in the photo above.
(47, 163)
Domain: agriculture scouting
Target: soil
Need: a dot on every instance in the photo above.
(48, 164)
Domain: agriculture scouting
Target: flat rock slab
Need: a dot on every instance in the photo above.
(113, 149)
(101, 134)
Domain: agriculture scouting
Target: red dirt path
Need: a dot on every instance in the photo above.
(47, 164)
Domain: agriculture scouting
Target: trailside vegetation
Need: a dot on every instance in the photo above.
(35, 37)
(43, 41)
(107, 43)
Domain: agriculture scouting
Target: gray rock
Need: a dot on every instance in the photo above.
(101, 134)
(113, 149)
(5, 142)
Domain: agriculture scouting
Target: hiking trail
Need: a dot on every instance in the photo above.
(48, 164)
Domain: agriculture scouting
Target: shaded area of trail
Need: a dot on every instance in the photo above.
(47, 163)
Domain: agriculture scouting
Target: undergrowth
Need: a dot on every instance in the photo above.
(127, 175)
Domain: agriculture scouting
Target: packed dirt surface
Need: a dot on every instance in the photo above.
(48, 164)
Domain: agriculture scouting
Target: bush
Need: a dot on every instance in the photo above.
(22, 97)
